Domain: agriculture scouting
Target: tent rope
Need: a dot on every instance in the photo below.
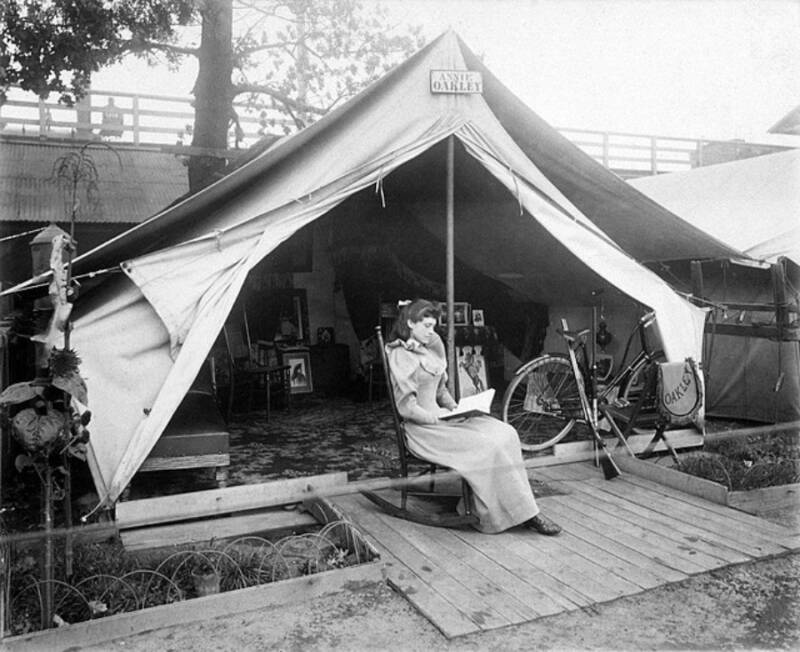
(21, 235)
(517, 192)
(379, 188)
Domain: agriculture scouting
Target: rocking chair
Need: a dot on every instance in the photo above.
(408, 486)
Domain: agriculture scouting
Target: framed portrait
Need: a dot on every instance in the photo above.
(460, 314)
(477, 317)
(299, 362)
(471, 370)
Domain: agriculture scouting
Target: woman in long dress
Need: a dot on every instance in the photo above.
(483, 450)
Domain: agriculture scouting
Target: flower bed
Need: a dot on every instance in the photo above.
(749, 463)
(108, 580)
(756, 470)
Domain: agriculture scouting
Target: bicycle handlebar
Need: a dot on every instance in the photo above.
(647, 318)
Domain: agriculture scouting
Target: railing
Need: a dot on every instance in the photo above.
(636, 155)
(166, 121)
(138, 119)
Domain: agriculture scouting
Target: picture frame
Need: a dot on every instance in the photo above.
(279, 315)
(471, 365)
(460, 314)
(300, 317)
(300, 380)
(477, 317)
(326, 336)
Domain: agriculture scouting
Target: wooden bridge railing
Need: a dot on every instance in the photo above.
(143, 119)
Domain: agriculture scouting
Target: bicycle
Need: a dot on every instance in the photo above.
(543, 401)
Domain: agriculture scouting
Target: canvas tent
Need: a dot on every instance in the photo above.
(753, 205)
(144, 334)
(752, 347)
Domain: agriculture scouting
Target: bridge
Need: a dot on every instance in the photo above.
(165, 122)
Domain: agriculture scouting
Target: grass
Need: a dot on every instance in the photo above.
(749, 463)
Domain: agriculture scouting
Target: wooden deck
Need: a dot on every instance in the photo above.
(621, 537)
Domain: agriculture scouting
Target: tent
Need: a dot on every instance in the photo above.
(753, 343)
(752, 205)
(533, 213)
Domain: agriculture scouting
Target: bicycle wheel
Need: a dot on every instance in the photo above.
(542, 402)
(632, 386)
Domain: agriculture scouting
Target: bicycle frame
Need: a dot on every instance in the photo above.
(551, 393)
(578, 345)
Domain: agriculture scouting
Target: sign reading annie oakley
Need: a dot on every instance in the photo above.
(456, 82)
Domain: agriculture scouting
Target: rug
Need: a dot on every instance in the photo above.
(316, 435)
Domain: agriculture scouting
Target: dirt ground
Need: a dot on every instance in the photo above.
(750, 606)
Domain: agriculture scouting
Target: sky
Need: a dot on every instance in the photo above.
(715, 69)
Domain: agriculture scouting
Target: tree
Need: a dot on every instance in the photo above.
(291, 58)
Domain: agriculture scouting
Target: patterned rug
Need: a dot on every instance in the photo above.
(314, 436)
(317, 435)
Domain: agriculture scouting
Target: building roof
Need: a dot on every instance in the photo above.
(134, 183)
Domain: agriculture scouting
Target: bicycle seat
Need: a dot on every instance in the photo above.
(571, 336)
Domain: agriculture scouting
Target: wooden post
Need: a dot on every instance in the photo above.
(47, 507)
(451, 331)
(697, 279)
(653, 155)
(698, 154)
(42, 118)
(778, 274)
(136, 127)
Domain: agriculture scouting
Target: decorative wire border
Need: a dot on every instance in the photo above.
(101, 595)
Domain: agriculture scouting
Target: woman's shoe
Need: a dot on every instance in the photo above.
(543, 525)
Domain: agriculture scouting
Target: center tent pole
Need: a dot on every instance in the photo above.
(451, 331)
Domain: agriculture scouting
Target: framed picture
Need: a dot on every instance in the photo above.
(471, 370)
(299, 362)
(460, 314)
(477, 317)
(325, 335)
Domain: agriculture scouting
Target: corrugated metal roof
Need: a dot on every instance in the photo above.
(133, 183)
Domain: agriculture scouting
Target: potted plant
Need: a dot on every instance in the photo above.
(206, 578)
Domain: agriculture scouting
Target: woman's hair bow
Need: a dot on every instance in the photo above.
(403, 302)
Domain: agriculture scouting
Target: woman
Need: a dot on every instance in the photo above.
(483, 450)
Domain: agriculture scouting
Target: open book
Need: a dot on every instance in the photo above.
(472, 405)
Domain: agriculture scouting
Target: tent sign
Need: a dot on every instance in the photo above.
(456, 82)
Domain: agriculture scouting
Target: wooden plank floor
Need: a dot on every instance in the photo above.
(621, 537)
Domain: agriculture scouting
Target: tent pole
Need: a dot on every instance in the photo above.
(451, 346)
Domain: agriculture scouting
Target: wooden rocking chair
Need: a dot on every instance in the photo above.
(409, 485)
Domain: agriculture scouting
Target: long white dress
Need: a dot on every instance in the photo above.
(483, 450)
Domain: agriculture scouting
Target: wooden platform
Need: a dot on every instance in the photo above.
(621, 537)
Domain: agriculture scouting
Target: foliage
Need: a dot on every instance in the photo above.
(741, 464)
(293, 59)
(40, 421)
(109, 579)
(56, 45)
(77, 171)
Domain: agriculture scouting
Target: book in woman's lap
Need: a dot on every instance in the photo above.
(472, 405)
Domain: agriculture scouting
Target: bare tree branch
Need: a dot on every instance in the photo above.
(246, 52)
(277, 95)
(143, 46)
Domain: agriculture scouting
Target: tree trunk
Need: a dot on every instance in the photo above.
(213, 95)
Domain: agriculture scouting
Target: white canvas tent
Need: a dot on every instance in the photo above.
(752, 205)
(144, 334)
(753, 361)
